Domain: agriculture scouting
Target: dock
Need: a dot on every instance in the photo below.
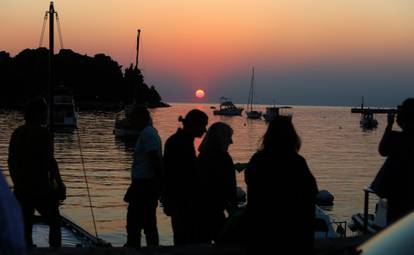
(334, 246)
(374, 110)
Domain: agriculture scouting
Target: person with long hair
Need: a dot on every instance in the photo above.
(281, 193)
(218, 181)
(180, 177)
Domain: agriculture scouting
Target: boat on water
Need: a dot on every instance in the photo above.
(370, 223)
(368, 120)
(62, 112)
(124, 124)
(252, 114)
(65, 113)
(275, 111)
(72, 234)
(227, 108)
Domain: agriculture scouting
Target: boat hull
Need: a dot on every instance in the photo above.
(72, 234)
(254, 115)
(225, 112)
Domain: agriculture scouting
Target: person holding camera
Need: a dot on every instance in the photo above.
(394, 180)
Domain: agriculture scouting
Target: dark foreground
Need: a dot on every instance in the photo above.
(339, 246)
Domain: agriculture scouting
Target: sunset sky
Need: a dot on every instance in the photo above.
(312, 52)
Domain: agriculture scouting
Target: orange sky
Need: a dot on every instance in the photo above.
(200, 42)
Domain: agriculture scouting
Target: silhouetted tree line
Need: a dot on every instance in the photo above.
(97, 79)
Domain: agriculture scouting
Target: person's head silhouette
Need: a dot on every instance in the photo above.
(405, 116)
(35, 112)
(281, 136)
(217, 138)
(194, 123)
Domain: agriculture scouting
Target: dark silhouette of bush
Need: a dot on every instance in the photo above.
(97, 80)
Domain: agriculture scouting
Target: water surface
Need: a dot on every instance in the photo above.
(342, 157)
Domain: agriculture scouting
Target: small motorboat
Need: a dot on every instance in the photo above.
(65, 114)
(274, 111)
(227, 108)
(368, 120)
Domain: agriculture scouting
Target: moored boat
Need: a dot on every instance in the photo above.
(252, 114)
(227, 108)
(65, 113)
(72, 234)
(124, 127)
(368, 120)
(274, 111)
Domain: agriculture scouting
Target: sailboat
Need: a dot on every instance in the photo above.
(252, 114)
(72, 234)
(124, 127)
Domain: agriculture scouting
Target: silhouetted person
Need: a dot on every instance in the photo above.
(281, 193)
(397, 174)
(180, 177)
(145, 189)
(34, 171)
(218, 181)
(11, 221)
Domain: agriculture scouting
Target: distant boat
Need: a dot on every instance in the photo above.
(227, 108)
(65, 114)
(252, 114)
(368, 120)
(124, 127)
(275, 111)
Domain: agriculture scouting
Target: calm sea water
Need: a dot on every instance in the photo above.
(342, 157)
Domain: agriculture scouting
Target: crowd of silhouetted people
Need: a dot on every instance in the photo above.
(198, 190)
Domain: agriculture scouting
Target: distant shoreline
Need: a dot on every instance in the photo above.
(93, 106)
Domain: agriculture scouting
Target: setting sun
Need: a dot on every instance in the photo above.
(200, 93)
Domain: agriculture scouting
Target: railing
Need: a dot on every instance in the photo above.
(367, 191)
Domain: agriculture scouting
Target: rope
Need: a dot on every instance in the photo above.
(87, 185)
(43, 30)
(59, 31)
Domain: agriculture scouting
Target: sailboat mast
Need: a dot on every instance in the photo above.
(51, 64)
(136, 59)
(251, 91)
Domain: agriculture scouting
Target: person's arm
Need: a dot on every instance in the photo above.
(385, 145)
(155, 162)
(11, 159)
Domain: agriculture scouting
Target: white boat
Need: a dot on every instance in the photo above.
(227, 108)
(65, 113)
(124, 127)
(370, 223)
(72, 234)
(368, 120)
(252, 114)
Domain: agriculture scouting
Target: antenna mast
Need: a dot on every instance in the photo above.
(51, 66)
(136, 60)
